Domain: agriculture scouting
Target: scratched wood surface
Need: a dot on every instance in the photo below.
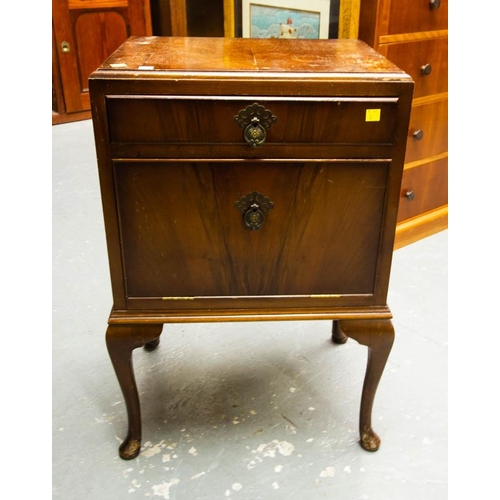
(243, 54)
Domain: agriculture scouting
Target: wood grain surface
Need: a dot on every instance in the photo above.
(183, 236)
(243, 54)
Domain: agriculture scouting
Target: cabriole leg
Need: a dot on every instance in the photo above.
(121, 340)
(378, 336)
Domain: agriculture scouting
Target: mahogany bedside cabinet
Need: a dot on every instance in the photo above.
(249, 179)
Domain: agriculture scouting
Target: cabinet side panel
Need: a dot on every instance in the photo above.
(107, 187)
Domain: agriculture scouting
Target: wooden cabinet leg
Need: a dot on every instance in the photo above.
(338, 336)
(378, 336)
(151, 346)
(121, 340)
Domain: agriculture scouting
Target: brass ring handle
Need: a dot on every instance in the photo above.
(255, 119)
(253, 217)
(253, 206)
(255, 134)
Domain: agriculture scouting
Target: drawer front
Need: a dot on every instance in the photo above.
(183, 234)
(428, 64)
(181, 122)
(428, 131)
(417, 16)
(424, 188)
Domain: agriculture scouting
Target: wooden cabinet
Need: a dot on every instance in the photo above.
(85, 33)
(249, 180)
(414, 35)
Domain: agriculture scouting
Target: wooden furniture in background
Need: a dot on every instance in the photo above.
(223, 18)
(84, 34)
(246, 179)
(349, 18)
(414, 36)
(189, 17)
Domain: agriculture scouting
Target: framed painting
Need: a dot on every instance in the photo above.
(285, 19)
(343, 18)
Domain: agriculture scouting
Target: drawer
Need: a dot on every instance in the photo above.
(424, 188)
(189, 230)
(428, 131)
(185, 122)
(417, 16)
(428, 64)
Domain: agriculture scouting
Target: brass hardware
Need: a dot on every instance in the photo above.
(65, 47)
(255, 134)
(253, 206)
(177, 298)
(410, 195)
(255, 119)
(325, 296)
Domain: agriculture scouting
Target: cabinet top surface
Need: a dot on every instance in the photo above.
(149, 56)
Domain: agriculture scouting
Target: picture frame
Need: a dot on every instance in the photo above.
(285, 19)
(344, 18)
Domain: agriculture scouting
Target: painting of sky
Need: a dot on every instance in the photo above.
(271, 22)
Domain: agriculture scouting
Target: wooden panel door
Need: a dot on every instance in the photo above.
(184, 232)
(86, 32)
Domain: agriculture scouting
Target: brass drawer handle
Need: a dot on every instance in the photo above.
(253, 206)
(434, 4)
(255, 119)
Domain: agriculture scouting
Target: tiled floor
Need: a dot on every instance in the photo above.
(240, 411)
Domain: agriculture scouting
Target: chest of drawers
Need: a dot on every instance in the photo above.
(414, 36)
(249, 180)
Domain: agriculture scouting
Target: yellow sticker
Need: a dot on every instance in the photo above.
(372, 115)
